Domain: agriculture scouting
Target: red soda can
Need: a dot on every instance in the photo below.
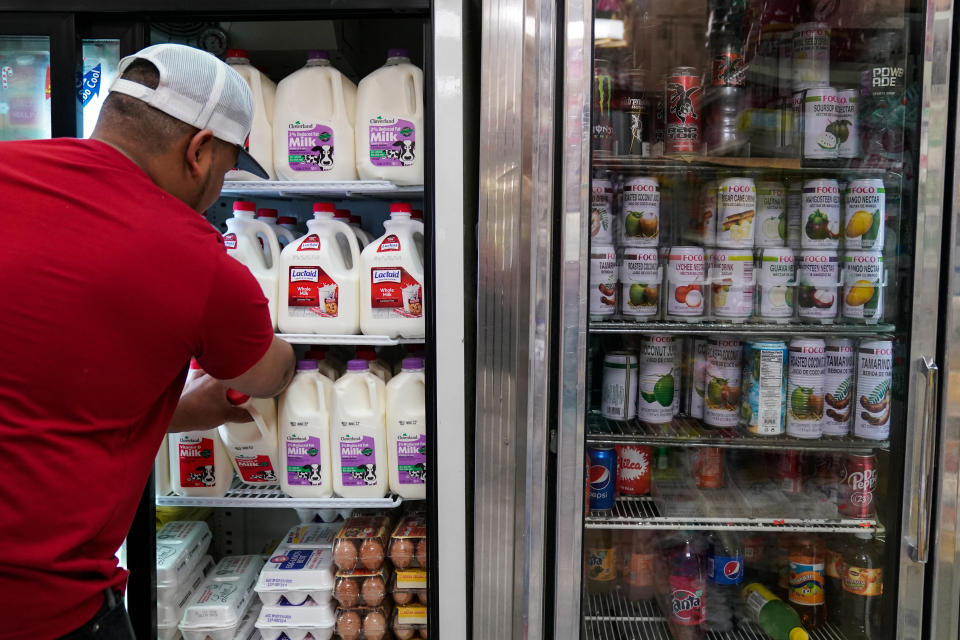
(858, 481)
(709, 468)
(633, 469)
(683, 111)
(790, 472)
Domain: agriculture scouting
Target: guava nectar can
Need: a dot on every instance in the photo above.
(771, 215)
(776, 282)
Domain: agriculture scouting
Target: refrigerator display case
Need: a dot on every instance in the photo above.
(746, 411)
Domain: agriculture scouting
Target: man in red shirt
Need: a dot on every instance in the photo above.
(111, 281)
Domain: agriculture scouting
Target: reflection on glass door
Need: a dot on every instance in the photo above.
(24, 87)
(100, 60)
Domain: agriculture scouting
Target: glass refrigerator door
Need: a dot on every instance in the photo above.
(751, 364)
(24, 87)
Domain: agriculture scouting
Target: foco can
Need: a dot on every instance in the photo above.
(633, 469)
(683, 114)
(863, 276)
(794, 214)
(708, 468)
(771, 215)
(776, 283)
(601, 211)
(874, 380)
(658, 379)
(602, 479)
(817, 278)
(686, 274)
(858, 482)
(838, 387)
(640, 283)
(844, 127)
(820, 215)
(731, 287)
(640, 220)
(736, 210)
(811, 55)
(722, 399)
(603, 282)
(764, 388)
(805, 387)
(864, 215)
(704, 223)
(619, 392)
(819, 114)
(696, 390)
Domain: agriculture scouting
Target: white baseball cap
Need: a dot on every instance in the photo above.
(197, 88)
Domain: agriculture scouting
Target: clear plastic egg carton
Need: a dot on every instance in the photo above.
(223, 605)
(362, 543)
(296, 622)
(361, 587)
(409, 586)
(295, 575)
(364, 623)
(409, 622)
(408, 543)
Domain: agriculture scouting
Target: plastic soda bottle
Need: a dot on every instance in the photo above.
(835, 569)
(600, 560)
(724, 577)
(637, 555)
(862, 589)
(808, 581)
(772, 614)
(687, 583)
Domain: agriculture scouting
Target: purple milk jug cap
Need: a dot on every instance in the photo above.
(397, 53)
(358, 365)
(306, 365)
(317, 54)
(412, 364)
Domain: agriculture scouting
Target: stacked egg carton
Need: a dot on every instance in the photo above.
(296, 585)
(225, 606)
(408, 553)
(182, 564)
(362, 578)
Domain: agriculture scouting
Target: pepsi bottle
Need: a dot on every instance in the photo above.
(724, 604)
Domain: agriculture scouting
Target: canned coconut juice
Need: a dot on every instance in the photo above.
(776, 283)
(697, 387)
(736, 210)
(805, 387)
(722, 400)
(794, 214)
(820, 215)
(819, 115)
(771, 215)
(764, 387)
(640, 218)
(863, 284)
(601, 211)
(731, 286)
(874, 379)
(838, 387)
(603, 282)
(619, 396)
(844, 127)
(864, 215)
(811, 55)
(640, 277)
(817, 278)
(658, 374)
(686, 275)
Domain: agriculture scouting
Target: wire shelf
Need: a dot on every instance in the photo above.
(752, 329)
(658, 630)
(718, 164)
(644, 513)
(685, 431)
(245, 495)
(615, 606)
(312, 338)
(343, 188)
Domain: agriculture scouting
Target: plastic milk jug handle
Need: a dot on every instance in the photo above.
(336, 90)
(256, 228)
(244, 401)
(372, 390)
(321, 398)
(415, 83)
(347, 231)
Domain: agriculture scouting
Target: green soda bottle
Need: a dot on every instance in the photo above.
(777, 619)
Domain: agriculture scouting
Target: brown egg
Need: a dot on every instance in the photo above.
(348, 625)
(422, 553)
(374, 626)
(423, 631)
(403, 633)
(402, 597)
(347, 592)
(422, 595)
(345, 555)
(401, 552)
(373, 591)
(371, 553)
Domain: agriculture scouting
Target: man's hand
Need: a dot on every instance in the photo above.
(203, 406)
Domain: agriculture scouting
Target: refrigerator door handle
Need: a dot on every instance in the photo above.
(921, 548)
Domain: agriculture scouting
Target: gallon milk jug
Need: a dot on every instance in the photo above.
(253, 445)
(305, 434)
(378, 366)
(328, 367)
(390, 138)
(344, 216)
(407, 431)
(284, 235)
(254, 244)
(161, 469)
(391, 280)
(358, 437)
(290, 224)
(355, 222)
(199, 464)
(320, 271)
(313, 123)
(260, 141)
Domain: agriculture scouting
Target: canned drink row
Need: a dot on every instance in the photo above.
(643, 385)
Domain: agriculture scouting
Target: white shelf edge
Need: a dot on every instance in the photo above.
(312, 338)
(281, 502)
(297, 188)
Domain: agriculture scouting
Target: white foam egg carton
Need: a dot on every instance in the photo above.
(296, 574)
(168, 633)
(311, 536)
(180, 546)
(218, 607)
(170, 607)
(296, 621)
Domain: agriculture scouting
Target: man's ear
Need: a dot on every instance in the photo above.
(199, 153)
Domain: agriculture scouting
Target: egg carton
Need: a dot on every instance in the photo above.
(295, 575)
(364, 623)
(409, 586)
(171, 594)
(170, 609)
(180, 545)
(222, 603)
(361, 587)
(296, 621)
(408, 543)
(409, 622)
(362, 543)
(311, 536)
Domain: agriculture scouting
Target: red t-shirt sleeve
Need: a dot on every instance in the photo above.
(236, 329)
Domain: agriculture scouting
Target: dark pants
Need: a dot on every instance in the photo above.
(109, 623)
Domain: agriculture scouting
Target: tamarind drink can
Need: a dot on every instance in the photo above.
(639, 283)
(722, 397)
(863, 275)
(601, 211)
(776, 284)
(658, 374)
(619, 393)
(686, 276)
(771, 215)
(805, 387)
(838, 387)
(864, 214)
(603, 282)
(736, 212)
(640, 217)
(696, 388)
(874, 382)
(817, 286)
(764, 387)
(731, 290)
(794, 213)
(820, 215)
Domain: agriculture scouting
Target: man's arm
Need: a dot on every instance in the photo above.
(270, 375)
